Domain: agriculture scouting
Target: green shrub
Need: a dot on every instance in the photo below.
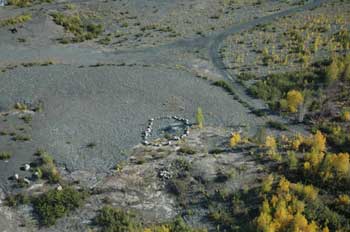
(20, 3)
(27, 118)
(277, 125)
(76, 26)
(181, 165)
(224, 85)
(200, 117)
(246, 76)
(217, 151)
(16, 20)
(21, 138)
(292, 160)
(48, 168)
(26, 3)
(117, 220)
(275, 87)
(55, 204)
(17, 199)
(187, 150)
(179, 225)
(177, 187)
(5, 155)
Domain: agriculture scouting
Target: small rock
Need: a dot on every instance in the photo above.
(26, 180)
(26, 167)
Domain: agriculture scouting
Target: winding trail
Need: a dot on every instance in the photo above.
(213, 44)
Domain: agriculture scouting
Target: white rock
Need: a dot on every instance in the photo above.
(26, 167)
(59, 188)
(16, 176)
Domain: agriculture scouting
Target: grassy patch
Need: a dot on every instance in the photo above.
(16, 20)
(74, 24)
(26, 3)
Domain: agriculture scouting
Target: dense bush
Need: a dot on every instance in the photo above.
(117, 220)
(224, 85)
(55, 204)
(5, 155)
(48, 168)
(275, 87)
(277, 125)
(17, 199)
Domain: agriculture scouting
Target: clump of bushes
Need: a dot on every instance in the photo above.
(224, 85)
(16, 20)
(74, 24)
(276, 87)
(55, 204)
(17, 199)
(20, 3)
(5, 155)
(25, 3)
(277, 125)
(117, 220)
(187, 150)
(46, 167)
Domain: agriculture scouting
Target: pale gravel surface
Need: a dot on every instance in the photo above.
(108, 106)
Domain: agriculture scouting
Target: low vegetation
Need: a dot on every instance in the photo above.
(111, 219)
(26, 3)
(81, 29)
(55, 204)
(5, 155)
(16, 20)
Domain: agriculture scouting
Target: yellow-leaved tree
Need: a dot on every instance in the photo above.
(235, 139)
(319, 142)
(294, 99)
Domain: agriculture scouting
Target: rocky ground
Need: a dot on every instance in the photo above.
(143, 182)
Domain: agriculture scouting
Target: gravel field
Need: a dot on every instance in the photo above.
(108, 106)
